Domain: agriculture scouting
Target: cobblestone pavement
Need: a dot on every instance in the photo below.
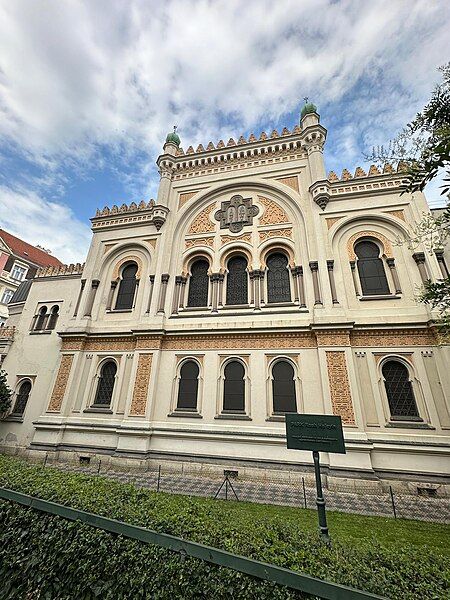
(377, 504)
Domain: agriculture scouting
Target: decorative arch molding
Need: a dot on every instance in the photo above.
(273, 213)
(194, 255)
(386, 244)
(284, 248)
(233, 251)
(124, 260)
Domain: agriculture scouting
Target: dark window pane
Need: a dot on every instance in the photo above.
(106, 384)
(278, 284)
(198, 284)
(399, 390)
(237, 281)
(188, 386)
(127, 287)
(41, 318)
(22, 398)
(53, 318)
(283, 388)
(234, 388)
(371, 270)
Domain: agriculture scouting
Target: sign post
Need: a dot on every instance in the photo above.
(318, 433)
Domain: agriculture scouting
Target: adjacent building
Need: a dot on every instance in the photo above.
(254, 285)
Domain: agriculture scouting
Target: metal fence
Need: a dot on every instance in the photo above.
(299, 493)
(317, 588)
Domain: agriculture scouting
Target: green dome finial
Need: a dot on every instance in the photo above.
(173, 137)
(308, 108)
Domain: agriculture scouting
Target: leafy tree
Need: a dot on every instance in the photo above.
(5, 393)
(422, 148)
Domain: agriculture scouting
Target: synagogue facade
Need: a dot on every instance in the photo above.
(254, 285)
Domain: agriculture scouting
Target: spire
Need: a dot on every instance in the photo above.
(308, 108)
(173, 138)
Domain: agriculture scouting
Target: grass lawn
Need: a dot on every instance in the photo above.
(396, 558)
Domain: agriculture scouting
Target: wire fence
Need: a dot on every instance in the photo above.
(300, 493)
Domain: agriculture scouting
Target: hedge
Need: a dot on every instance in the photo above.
(46, 557)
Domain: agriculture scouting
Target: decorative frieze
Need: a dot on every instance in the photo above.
(264, 341)
(245, 237)
(141, 384)
(273, 213)
(341, 398)
(333, 337)
(202, 223)
(202, 241)
(271, 233)
(393, 338)
(59, 388)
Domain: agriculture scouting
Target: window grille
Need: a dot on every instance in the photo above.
(188, 386)
(234, 387)
(22, 398)
(105, 385)
(127, 287)
(283, 387)
(371, 270)
(399, 391)
(198, 284)
(278, 283)
(237, 281)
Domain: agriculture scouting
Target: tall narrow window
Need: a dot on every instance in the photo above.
(198, 283)
(188, 386)
(105, 385)
(54, 314)
(234, 387)
(278, 284)
(21, 398)
(41, 318)
(399, 391)
(237, 281)
(371, 270)
(283, 388)
(127, 287)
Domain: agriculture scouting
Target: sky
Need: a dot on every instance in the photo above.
(89, 90)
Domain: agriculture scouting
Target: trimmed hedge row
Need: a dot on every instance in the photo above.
(43, 556)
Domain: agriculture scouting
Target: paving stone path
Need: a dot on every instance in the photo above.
(377, 504)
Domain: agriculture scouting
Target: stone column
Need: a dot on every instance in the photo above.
(220, 290)
(442, 263)
(355, 277)
(214, 279)
(162, 292)
(262, 275)
(182, 290)
(301, 287)
(90, 302)
(419, 257)
(330, 267)
(77, 305)
(314, 266)
(256, 280)
(176, 294)
(111, 294)
(395, 279)
(150, 291)
(251, 275)
(294, 271)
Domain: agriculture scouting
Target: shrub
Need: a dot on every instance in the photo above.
(42, 556)
(5, 394)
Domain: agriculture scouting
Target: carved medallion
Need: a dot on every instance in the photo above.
(236, 213)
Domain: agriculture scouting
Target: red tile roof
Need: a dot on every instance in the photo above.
(28, 252)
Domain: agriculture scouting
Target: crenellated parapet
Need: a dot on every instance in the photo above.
(61, 270)
(142, 213)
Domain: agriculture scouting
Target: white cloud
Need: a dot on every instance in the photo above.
(52, 225)
(76, 77)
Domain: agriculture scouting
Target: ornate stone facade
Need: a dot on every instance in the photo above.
(341, 398)
(273, 213)
(144, 369)
(202, 223)
(60, 386)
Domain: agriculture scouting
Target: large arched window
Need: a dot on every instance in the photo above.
(278, 284)
(105, 384)
(399, 391)
(127, 287)
(198, 283)
(283, 387)
(234, 387)
(53, 318)
(22, 398)
(371, 269)
(188, 386)
(41, 318)
(237, 280)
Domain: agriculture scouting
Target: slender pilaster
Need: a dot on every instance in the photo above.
(150, 291)
(162, 292)
(355, 277)
(111, 294)
(176, 294)
(395, 279)
(262, 275)
(314, 266)
(419, 258)
(90, 303)
(215, 279)
(220, 290)
(182, 290)
(442, 263)
(330, 267)
(256, 280)
(77, 305)
(251, 275)
(301, 287)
